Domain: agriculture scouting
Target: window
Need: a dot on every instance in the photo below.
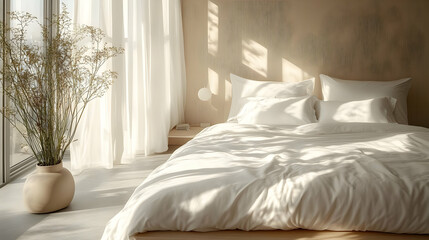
(18, 150)
(14, 154)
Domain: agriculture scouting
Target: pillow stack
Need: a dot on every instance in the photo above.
(281, 103)
(334, 89)
(271, 103)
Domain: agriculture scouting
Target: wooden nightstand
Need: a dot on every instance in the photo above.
(180, 137)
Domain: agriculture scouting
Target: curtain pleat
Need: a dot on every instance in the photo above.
(134, 117)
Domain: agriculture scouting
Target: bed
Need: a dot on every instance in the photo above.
(336, 176)
(342, 177)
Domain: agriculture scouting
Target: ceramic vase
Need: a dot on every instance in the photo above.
(48, 189)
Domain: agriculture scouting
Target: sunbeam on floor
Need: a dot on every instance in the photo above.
(100, 194)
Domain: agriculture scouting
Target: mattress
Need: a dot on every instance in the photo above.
(340, 177)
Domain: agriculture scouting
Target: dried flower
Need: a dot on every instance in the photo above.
(49, 84)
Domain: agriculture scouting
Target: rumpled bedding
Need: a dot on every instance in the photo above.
(340, 177)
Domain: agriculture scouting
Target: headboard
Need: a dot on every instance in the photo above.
(290, 40)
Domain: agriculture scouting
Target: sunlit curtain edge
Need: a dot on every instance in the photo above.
(133, 119)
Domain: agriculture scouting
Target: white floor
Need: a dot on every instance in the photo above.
(100, 194)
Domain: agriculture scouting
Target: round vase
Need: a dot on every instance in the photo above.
(48, 189)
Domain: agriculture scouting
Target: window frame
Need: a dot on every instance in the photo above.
(2, 163)
(8, 172)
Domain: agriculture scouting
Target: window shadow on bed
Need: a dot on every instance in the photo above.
(215, 174)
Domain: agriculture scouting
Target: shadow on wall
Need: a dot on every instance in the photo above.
(294, 40)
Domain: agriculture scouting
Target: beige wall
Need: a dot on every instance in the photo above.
(289, 40)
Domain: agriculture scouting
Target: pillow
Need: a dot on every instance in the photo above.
(376, 110)
(243, 88)
(347, 90)
(278, 111)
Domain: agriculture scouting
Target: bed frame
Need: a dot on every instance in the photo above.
(276, 235)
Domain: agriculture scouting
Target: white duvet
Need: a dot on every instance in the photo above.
(363, 177)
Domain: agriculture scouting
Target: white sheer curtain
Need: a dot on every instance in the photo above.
(147, 99)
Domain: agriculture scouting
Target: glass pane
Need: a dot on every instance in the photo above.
(35, 8)
(18, 147)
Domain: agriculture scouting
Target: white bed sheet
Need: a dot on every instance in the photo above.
(363, 177)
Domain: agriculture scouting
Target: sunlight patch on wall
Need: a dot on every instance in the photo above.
(255, 56)
(228, 90)
(213, 81)
(212, 28)
(292, 73)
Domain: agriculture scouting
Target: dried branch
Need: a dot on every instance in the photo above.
(50, 83)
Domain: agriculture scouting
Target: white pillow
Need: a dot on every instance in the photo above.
(278, 111)
(243, 88)
(347, 90)
(376, 110)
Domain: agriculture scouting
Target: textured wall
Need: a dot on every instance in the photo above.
(290, 40)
